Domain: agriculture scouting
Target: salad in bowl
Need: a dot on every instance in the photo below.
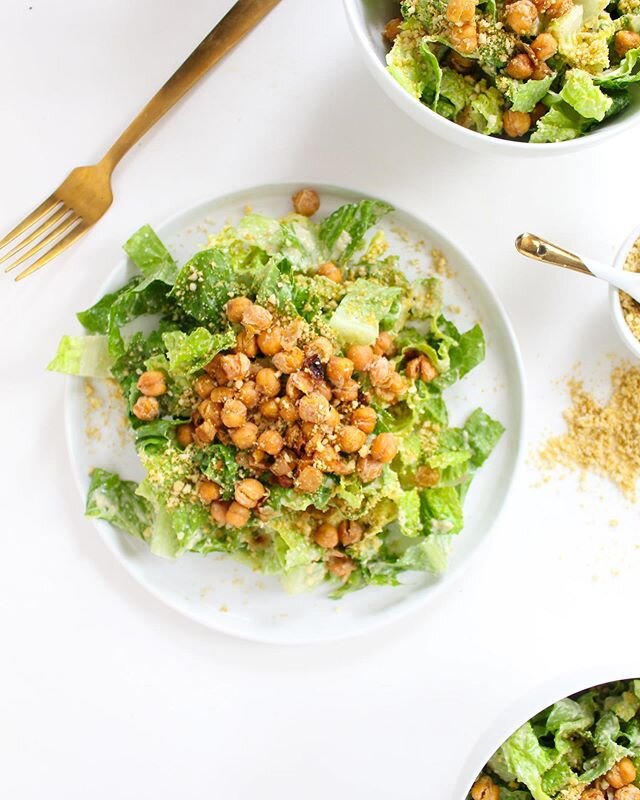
(286, 391)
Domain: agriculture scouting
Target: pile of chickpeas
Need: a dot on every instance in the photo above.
(524, 18)
(616, 784)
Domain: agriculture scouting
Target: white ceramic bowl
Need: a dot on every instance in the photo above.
(524, 708)
(367, 19)
(614, 297)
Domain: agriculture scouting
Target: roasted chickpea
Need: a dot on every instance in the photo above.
(521, 16)
(464, 37)
(220, 394)
(369, 469)
(331, 271)
(146, 408)
(208, 491)
(269, 409)
(152, 383)
(341, 566)
(380, 371)
(396, 384)
(271, 442)
(283, 464)
(306, 202)
(248, 394)
(237, 515)
(234, 413)
(256, 318)
(309, 480)
(349, 532)
(321, 347)
(460, 63)
(484, 789)
(427, 477)
(623, 42)
(249, 492)
(268, 382)
(626, 793)
(314, 408)
(621, 774)
(334, 419)
(520, 66)
(361, 356)
(299, 383)
(348, 392)
(557, 8)
(218, 511)
(544, 46)
(270, 341)
(288, 361)
(246, 343)
(339, 370)
(540, 71)
(245, 436)
(351, 439)
(384, 345)
(364, 418)
(384, 448)
(287, 410)
(460, 10)
(203, 386)
(516, 123)
(235, 366)
(592, 794)
(205, 433)
(290, 334)
(326, 535)
(539, 110)
(236, 308)
(184, 434)
(392, 29)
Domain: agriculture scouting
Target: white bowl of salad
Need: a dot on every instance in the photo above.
(575, 738)
(557, 74)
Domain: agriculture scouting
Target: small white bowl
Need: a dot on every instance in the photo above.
(614, 297)
(526, 707)
(367, 19)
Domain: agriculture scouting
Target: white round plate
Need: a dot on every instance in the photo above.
(227, 596)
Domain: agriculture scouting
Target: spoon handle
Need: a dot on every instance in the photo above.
(532, 246)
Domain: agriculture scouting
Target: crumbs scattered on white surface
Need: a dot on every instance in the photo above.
(223, 609)
(440, 264)
(402, 234)
(205, 592)
(248, 209)
(452, 309)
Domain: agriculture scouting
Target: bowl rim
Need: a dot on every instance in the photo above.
(447, 129)
(614, 295)
(414, 604)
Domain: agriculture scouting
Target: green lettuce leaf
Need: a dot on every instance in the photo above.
(189, 353)
(151, 257)
(357, 318)
(580, 92)
(204, 285)
(627, 72)
(560, 124)
(114, 500)
(525, 758)
(343, 232)
(524, 95)
(86, 356)
(483, 434)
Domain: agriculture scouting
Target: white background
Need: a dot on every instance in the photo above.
(105, 693)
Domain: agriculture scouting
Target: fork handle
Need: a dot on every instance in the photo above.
(238, 21)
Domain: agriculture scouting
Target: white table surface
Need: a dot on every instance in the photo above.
(105, 693)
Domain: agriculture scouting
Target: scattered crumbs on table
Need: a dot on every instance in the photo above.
(248, 209)
(613, 523)
(440, 264)
(224, 609)
(402, 234)
(454, 309)
(630, 307)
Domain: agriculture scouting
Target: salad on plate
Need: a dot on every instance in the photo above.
(286, 392)
(534, 70)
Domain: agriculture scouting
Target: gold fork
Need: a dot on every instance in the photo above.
(85, 195)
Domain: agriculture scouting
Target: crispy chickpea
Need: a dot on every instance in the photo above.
(306, 202)
(521, 16)
(369, 469)
(246, 343)
(380, 371)
(326, 535)
(214, 369)
(248, 394)
(364, 418)
(218, 511)
(236, 308)
(351, 439)
(234, 414)
(271, 442)
(592, 794)
(625, 41)
(484, 789)
(184, 434)
(464, 37)
(621, 774)
(290, 334)
(384, 447)
(627, 793)
(314, 408)
(283, 464)
(208, 491)
(321, 347)
(539, 110)
(256, 318)
(249, 492)
(427, 477)
(557, 8)
(516, 123)
(245, 436)
(220, 394)
(152, 383)
(460, 63)
(203, 386)
(288, 361)
(146, 408)
(268, 382)
(269, 409)
(520, 67)
(392, 29)
(541, 70)
(339, 370)
(544, 46)
(331, 271)
(349, 532)
(397, 384)
(361, 356)
(324, 389)
(460, 10)
(235, 366)
(309, 479)
(334, 419)
(384, 345)
(309, 428)
(348, 392)
(270, 341)
(237, 515)
(205, 433)
(287, 410)
(341, 566)
(300, 383)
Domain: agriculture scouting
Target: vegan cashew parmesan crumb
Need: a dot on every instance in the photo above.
(601, 439)
(440, 264)
(631, 308)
